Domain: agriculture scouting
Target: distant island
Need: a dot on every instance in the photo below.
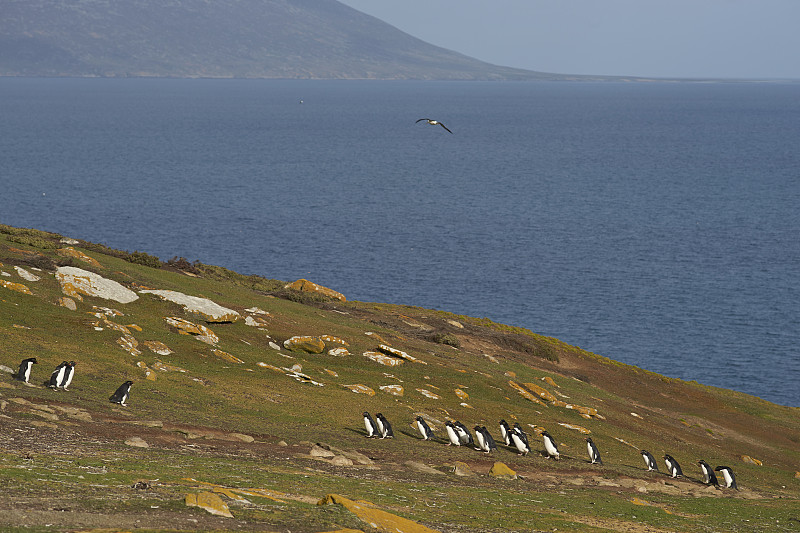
(302, 39)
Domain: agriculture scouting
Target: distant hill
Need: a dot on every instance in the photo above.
(221, 39)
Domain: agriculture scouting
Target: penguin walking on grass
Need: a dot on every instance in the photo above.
(58, 375)
(709, 478)
(649, 461)
(520, 440)
(505, 432)
(424, 429)
(594, 453)
(485, 441)
(120, 396)
(550, 446)
(463, 434)
(673, 467)
(369, 423)
(24, 372)
(452, 434)
(384, 427)
(69, 373)
(727, 475)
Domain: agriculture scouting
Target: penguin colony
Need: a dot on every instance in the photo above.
(457, 433)
(61, 378)
(516, 439)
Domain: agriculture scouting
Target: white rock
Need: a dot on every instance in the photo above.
(24, 274)
(91, 284)
(195, 304)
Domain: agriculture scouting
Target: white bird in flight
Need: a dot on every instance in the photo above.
(434, 123)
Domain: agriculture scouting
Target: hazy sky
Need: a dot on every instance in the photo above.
(665, 38)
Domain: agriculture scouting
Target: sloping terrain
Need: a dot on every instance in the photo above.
(230, 403)
(221, 39)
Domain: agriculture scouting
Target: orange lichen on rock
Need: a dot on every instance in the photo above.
(185, 327)
(16, 287)
(378, 519)
(307, 344)
(226, 356)
(304, 285)
(69, 251)
(360, 389)
(541, 392)
(525, 393)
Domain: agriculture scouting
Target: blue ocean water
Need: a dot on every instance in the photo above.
(653, 223)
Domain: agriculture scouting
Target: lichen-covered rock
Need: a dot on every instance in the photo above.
(525, 393)
(383, 359)
(750, 460)
(158, 347)
(395, 390)
(226, 356)
(360, 389)
(502, 471)
(429, 394)
(461, 394)
(549, 381)
(148, 374)
(540, 392)
(210, 502)
(69, 251)
(76, 283)
(399, 353)
(304, 285)
(378, 519)
(341, 351)
(579, 429)
(210, 311)
(16, 287)
(307, 344)
(129, 344)
(462, 469)
(199, 331)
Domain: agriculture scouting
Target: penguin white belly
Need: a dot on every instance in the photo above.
(451, 434)
(550, 447)
(728, 479)
(520, 444)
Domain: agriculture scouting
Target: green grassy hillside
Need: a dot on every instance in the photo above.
(271, 431)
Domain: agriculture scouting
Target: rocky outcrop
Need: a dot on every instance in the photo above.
(210, 311)
(77, 283)
(303, 285)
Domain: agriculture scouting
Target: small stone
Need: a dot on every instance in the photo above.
(318, 451)
(69, 303)
(749, 460)
(137, 442)
(341, 460)
(462, 469)
(422, 467)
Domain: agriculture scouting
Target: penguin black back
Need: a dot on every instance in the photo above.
(24, 372)
(120, 396)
